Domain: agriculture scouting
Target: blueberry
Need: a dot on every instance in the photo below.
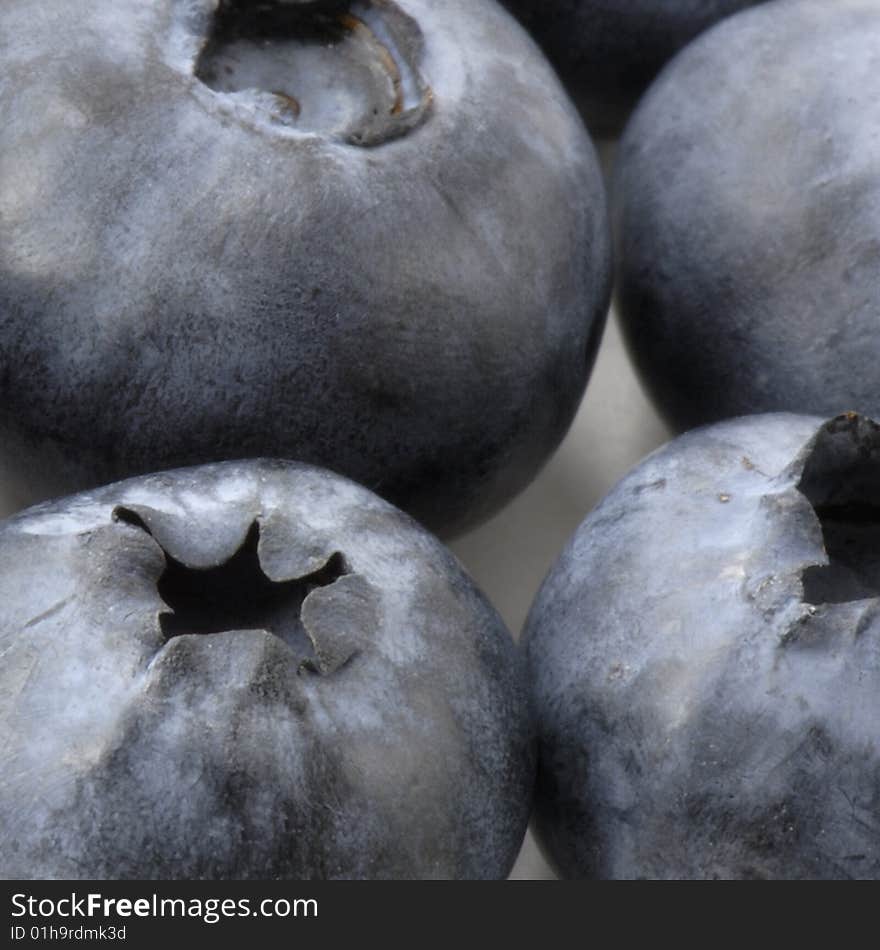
(705, 659)
(748, 213)
(371, 236)
(252, 670)
(608, 51)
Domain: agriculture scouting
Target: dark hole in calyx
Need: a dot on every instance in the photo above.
(841, 480)
(237, 595)
(272, 20)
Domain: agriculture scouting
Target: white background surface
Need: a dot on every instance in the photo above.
(509, 556)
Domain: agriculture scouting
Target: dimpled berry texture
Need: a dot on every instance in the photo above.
(363, 716)
(748, 218)
(608, 51)
(192, 274)
(706, 662)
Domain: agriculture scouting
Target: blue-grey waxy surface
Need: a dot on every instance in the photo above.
(608, 51)
(371, 236)
(705, 660)
(251, 670)
(748, 217)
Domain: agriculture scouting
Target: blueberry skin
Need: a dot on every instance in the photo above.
(705, 662)
(359, 711)
(608, 51)
(748, 224)
(186, 275)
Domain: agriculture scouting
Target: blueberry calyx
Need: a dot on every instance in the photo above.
(347, 71)
(320, 615)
